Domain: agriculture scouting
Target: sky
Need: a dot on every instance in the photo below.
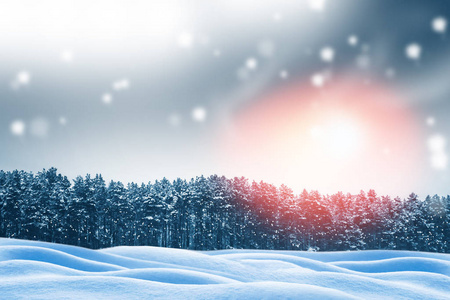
(340, 95)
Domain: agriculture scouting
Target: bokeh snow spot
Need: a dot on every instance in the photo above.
(284, 74)
(363, 61)
(439, 161)
(439, 24)
(199, 114)
(22, 78)
(185, 40)
(390, 73)
(174, 119)
(121, 84)
(39, 127)
(18, 127)
(413, 51)
(251, 63)
(317, 5)
(107, 98)
(439, 158)
(243, 74)
(327, 54)
(67, 56)
(436, 143)
(352, 40)
(318, 80)
(430, 121)
(266, 48)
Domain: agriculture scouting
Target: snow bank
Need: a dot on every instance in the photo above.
(37, 270)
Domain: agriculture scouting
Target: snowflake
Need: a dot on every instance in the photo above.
(317, 5)
(436, 143)
(174, 119)
(430, 121)
(327, 54)
(363, 61)
(317, 80)
(352, 40)
(439, 158)
(242, 74)
(62, 121)
(439, 24)
(413, 51)
(251, 63)
(439, 161)
(18, 127)
(185, 40)
(266, 48)
(107, 98)
(199, 114)
(390, 73)
(122, 84)
(39, 127)
(67, 56)
(284, 74)
(22, 78)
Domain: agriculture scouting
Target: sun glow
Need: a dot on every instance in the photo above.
(340, 137)
(331, 139)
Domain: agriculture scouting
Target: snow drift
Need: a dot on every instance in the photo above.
(38, 270)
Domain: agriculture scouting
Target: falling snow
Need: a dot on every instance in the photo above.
(266, 48)
(363, 61)
(39, 127)
(17, 127)
(199, 114)
(317, 80)
(413, 51)
(185, 40)
(439, 25)
(352, 40)
(430, 121)
(243, 74)
(67, 56)
(284, 74)
(317, 5)
(436, 143)
(107, 98)
(174, 119)
(22, 78)
(251, 63)
(120, 85)
(327, 54)
(390, 73)
(439, 159)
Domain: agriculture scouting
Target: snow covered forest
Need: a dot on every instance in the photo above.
(214, 213)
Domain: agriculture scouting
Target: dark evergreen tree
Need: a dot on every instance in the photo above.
(214, 213)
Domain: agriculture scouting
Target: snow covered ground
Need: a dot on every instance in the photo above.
(37, 270)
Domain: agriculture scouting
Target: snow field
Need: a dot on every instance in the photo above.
(38, 270)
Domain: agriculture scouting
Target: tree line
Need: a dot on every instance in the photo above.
(214, 212)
